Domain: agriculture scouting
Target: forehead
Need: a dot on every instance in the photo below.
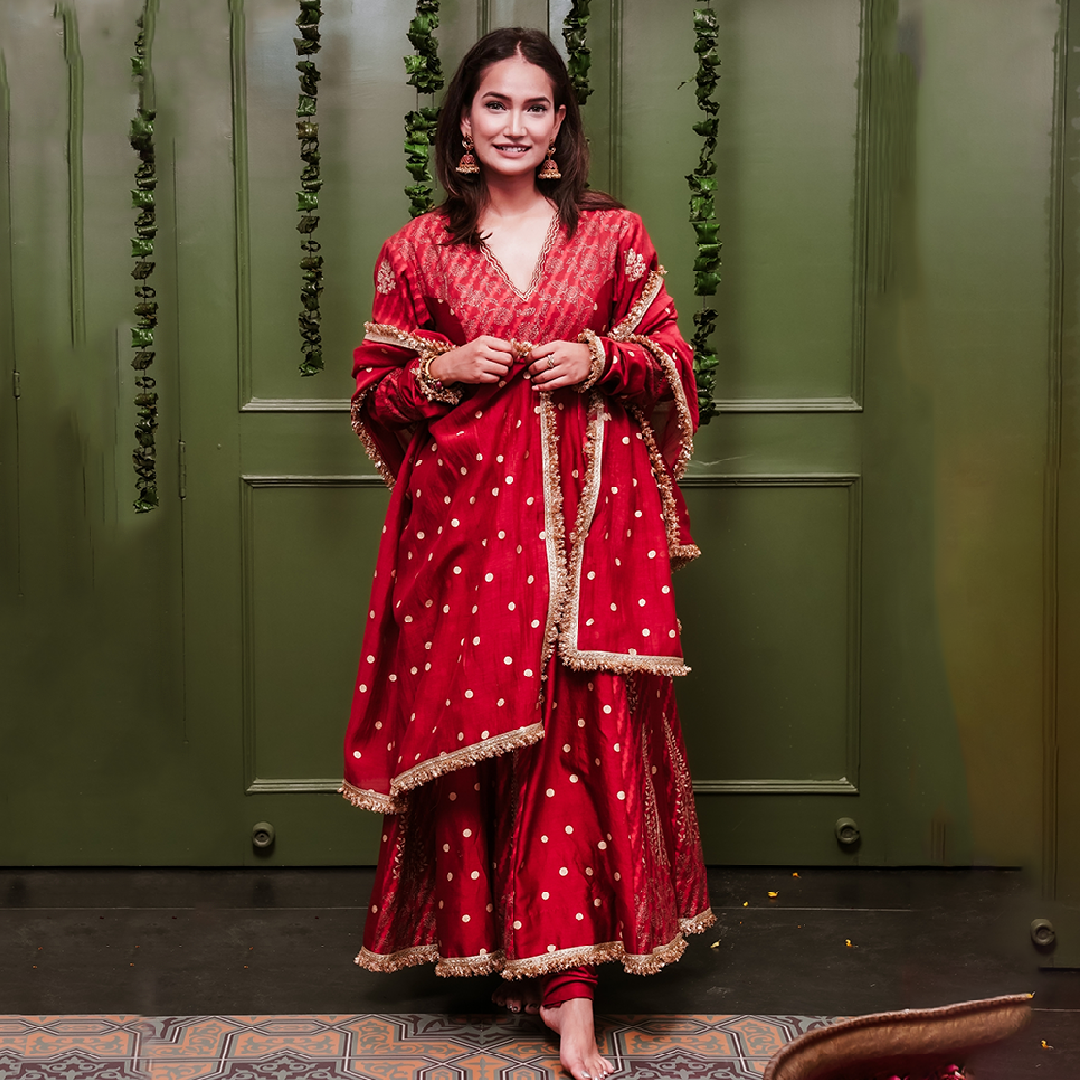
(515, 78)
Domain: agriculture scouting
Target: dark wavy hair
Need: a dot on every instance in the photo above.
(466, 196)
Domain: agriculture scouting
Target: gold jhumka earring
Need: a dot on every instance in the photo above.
(467, 166)
(550, 170)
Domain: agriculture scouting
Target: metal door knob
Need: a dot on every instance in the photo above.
(262, 836)
(847, 832)
(1042, 932)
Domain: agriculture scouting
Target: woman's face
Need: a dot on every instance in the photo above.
(513, 119)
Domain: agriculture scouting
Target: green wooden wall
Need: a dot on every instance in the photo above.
(881, 623)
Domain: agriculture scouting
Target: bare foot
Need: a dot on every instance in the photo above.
(572, 1021)
(518, 995)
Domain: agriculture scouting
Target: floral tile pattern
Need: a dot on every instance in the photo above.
(380, 1047)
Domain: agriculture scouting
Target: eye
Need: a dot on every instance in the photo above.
(493, 105)
(538, 108)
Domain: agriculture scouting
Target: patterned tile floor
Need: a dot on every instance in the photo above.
(379, 1047)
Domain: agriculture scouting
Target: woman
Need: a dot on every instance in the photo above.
(524, 388)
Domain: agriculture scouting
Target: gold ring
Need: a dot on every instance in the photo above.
(551, 362)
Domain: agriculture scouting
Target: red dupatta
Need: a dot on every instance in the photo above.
(523, 526)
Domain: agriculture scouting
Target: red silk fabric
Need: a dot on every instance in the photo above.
(514, 714)
(575, 982)
(580, 849)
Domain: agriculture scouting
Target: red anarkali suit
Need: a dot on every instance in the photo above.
(514, 716)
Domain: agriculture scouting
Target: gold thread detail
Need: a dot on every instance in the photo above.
(457, 966)
(682, 409)
(404, 958)
(697, 924)
(680, 553)
(598, 361)
(435, 767)
(538, 270)
(632, 320)
(623, 663)
(368, 441)
(435, 389)
(385, 334)
(376, 801)
(554, 527)
(545, 963)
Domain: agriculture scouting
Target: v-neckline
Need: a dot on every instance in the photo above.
(538, 270)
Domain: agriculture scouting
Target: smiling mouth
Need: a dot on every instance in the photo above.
(511, 149)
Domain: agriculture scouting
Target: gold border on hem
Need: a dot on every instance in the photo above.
(435, 767)
(368, 442)
(403, 958)
(697, 924)
(533, 966)
(623, 663)
(450, 967)
(365, 799)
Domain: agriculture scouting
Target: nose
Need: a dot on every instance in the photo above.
(515, 122)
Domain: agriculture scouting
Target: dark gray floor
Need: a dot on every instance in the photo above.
(184, 942)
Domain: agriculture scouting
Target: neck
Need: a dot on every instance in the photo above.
(513, 196)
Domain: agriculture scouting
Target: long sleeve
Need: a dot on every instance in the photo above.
(646, 358)
(399, 337)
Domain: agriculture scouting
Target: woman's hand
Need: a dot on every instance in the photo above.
(559, 364)
(483, 360)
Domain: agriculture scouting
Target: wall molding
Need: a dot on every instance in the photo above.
(249, 484)
(840, 786)
(840, 479)
(241, 211)
(296, 405)
(861, 215)
(1052, 472)
(788, 405)
(75, 175)
(848, 784)
(292, 787)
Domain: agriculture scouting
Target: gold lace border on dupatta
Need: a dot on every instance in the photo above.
(433, 768)
(565, 571)
(432, 389)
(546, 963)
(625, 331)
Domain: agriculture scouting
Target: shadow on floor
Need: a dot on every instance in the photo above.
(831, 943)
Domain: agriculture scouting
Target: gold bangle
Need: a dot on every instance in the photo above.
(599, 360)
(431, 388)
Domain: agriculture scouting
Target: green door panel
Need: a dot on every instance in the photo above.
(871, 626)
(771, 622)
(309, 553)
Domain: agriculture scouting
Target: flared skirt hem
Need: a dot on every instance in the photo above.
(546, 963)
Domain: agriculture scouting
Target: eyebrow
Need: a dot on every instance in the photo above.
(506, 97)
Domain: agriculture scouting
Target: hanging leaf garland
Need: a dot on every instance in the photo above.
(703, 208)
(425, 73)
(141, 137)
(575, 28)
(307, 198)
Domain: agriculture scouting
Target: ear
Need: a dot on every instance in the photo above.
(466, 125)
(560, 116)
